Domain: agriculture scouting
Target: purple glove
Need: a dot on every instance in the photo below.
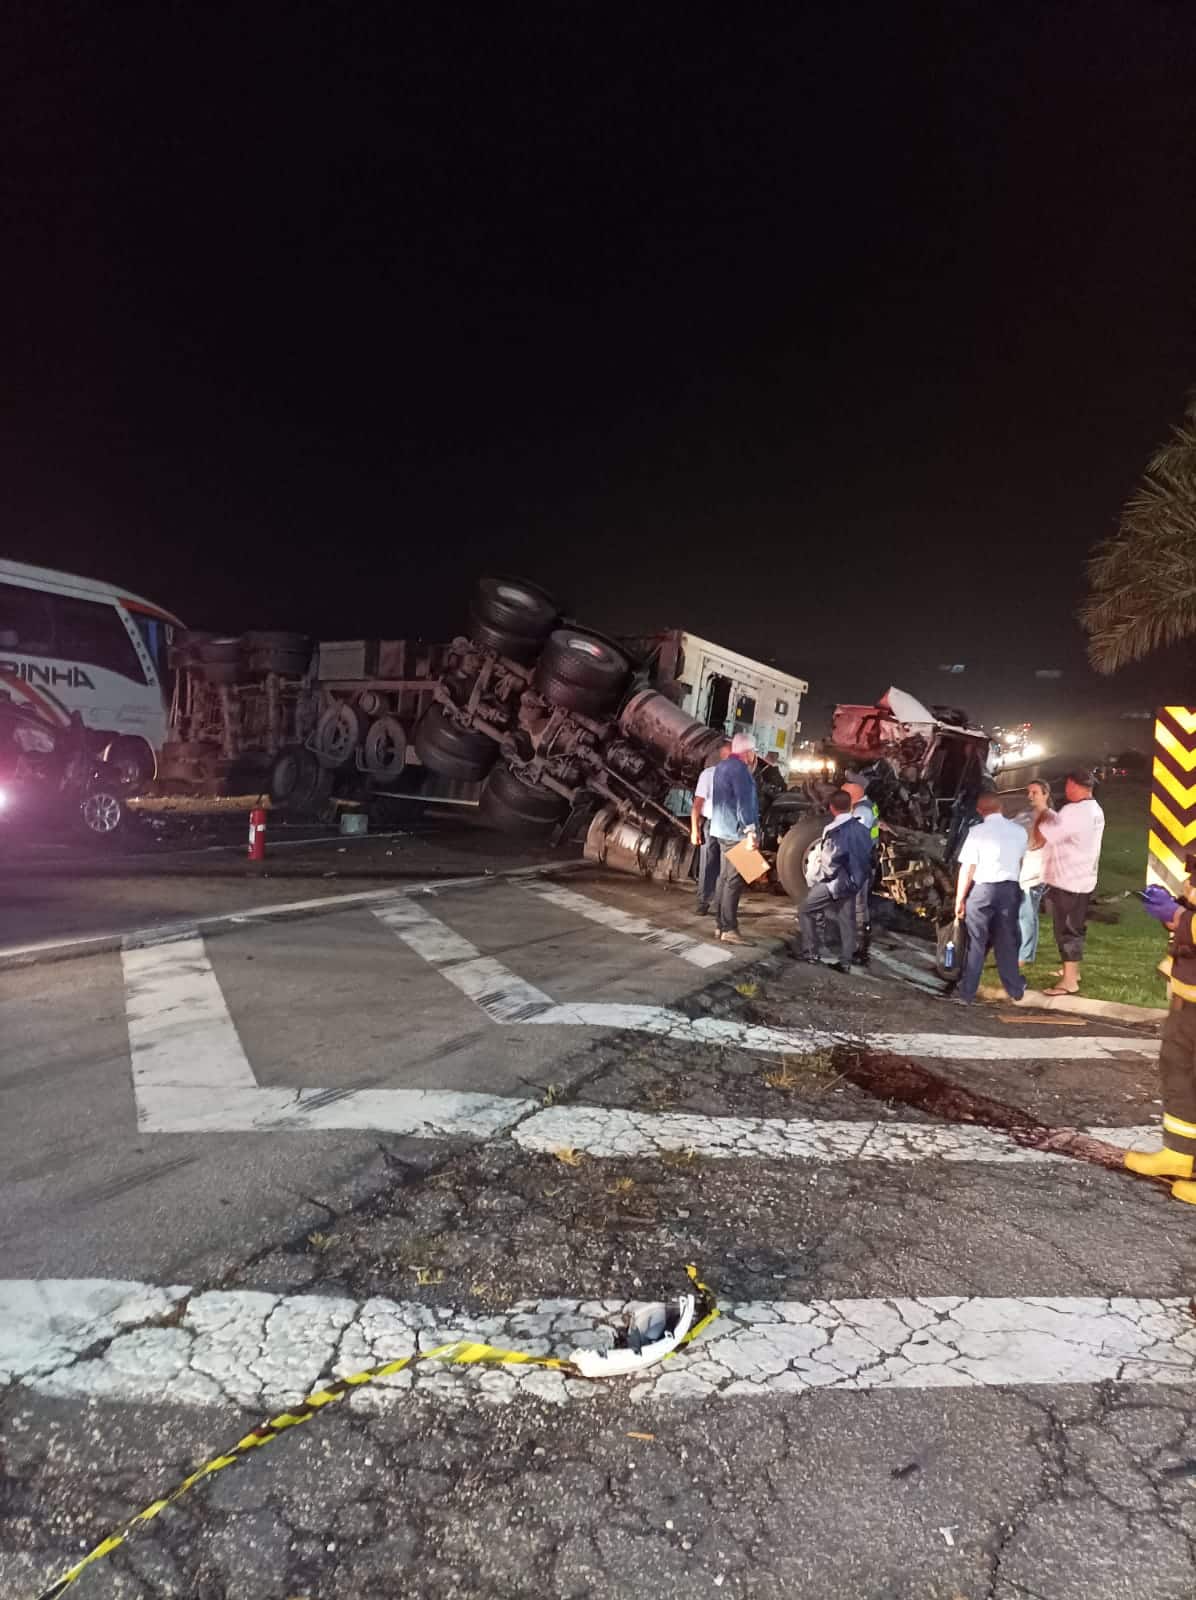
(1157, 903)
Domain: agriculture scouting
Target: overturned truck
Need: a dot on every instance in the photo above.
(568, 732)
(571, 734)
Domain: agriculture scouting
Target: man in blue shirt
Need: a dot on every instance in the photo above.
(734, 817)
(856, 785)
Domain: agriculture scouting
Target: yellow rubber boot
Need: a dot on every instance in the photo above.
(1184, 1191)
(1159, 1164)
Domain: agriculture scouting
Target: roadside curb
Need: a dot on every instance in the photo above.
(1111, 1010)
(230, 921)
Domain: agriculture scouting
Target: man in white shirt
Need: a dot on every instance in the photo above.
(699, 833)
(987, 896)
(1074, 835)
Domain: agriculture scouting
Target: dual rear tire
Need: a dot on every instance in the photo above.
(451, 751)
(512, 806)
(582, 672)
(512, 618)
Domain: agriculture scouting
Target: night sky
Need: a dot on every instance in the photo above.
(836, 334)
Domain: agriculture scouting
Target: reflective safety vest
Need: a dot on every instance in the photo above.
(866, 812)
(1179, 965)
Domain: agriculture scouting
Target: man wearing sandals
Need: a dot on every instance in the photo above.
(1074, 835)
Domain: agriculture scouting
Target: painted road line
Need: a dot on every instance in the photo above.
(157, 933)
(910, 974)
(180, 1030)
(190, 1072)
(728, 1032)
(264, 1350)
(419, 1113)
(613, 1133)
(696, 952)
(500, 994)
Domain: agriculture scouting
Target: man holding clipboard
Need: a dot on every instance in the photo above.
(734, 819)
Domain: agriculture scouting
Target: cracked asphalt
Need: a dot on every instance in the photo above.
(933, 1379)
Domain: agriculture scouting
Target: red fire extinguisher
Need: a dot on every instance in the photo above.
(257, 834)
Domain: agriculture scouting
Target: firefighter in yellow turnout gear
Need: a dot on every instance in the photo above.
(1177, 1053)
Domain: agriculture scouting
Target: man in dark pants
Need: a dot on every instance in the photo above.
(845, 864)
(699, 833)
(989, 897)
(856, 785)
(734, 818)
(1073, 839)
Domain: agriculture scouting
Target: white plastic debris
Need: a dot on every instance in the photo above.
(654, 1332)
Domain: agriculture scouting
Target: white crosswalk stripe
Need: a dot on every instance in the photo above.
(180, 1032)
(251, 1348)
(500, 994)
(681, 944)
(611, 1132)
(191, 1072)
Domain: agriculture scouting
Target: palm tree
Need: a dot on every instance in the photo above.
(1142, 582)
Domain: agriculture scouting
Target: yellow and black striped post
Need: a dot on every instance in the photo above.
(1172, 797)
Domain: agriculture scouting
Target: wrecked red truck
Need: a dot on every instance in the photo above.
(925, 767)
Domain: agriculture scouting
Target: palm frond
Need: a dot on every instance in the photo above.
(1142, 582)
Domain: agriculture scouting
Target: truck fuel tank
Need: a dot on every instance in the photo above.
(654, 850)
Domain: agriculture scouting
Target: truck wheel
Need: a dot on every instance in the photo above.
(293, 776)
(514, 607)
(308, 785)
(512, 645)
(793, 853)
(581, 672)
(451, 751)
(384, 752)
(338, 733)
(513, 806)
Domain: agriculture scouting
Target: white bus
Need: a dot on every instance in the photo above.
(72, 644)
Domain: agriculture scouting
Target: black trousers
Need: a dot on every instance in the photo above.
(1070, 913)
(709, 858)
(727, 890)
(820, 904)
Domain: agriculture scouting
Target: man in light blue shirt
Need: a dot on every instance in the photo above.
(734, 818)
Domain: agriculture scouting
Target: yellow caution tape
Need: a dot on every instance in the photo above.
(461, 1352)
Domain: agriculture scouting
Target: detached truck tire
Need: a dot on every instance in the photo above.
(792, 854)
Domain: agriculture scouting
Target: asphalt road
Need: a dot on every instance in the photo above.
(483, 1102)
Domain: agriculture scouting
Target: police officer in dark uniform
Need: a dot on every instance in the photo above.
(856, 785)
